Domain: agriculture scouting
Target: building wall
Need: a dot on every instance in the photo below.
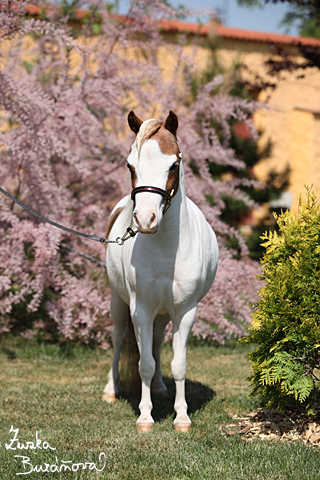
(291, 123)
(292, 118)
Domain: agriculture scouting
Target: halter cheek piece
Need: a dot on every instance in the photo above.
(159, 191)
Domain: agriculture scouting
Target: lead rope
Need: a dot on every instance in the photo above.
(129, 233)
(119, 240)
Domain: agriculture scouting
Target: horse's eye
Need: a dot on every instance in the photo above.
(173, 167)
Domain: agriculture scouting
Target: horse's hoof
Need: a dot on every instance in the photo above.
(109, 397)
(144, 427)
(182, 427)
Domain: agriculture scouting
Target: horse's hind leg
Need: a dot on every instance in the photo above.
(159, 330)
(181, 331)
(119, 310)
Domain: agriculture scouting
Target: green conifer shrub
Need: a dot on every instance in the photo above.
(286, 319)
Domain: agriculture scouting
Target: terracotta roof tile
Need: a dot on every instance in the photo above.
(221, 31)
(32, 9)
(253, 35)
(237, 33)
(36, 10)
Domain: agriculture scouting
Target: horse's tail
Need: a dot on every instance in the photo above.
(129, 360)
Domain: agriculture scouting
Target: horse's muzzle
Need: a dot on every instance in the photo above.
(145, 222)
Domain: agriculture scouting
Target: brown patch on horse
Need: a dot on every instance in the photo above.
(167, 141)
(173, 181)
(134, 177)
(111, 221)
(168, 145)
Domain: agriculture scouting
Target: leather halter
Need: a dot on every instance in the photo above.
(159, 191)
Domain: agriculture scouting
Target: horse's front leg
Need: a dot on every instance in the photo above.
(181, 331)
(119, 311)
(143, 325)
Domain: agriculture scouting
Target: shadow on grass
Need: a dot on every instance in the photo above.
(9, 353)
(197, 396)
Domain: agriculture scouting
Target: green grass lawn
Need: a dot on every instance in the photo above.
(58, 394)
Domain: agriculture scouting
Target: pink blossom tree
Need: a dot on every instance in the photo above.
(64, 140)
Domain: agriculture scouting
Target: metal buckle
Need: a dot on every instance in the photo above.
(119, 241)
(131, 232)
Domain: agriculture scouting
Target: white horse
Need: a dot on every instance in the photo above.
(164, 271)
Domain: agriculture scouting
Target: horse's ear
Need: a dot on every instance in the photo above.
(134, 122)
(172, 123)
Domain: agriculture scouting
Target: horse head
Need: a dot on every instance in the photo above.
(153, 161)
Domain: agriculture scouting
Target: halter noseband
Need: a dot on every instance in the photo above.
(158, 190)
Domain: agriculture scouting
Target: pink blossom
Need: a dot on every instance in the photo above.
(64, 157)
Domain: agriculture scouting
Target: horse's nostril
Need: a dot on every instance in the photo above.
(153, 220)
(135, 218)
